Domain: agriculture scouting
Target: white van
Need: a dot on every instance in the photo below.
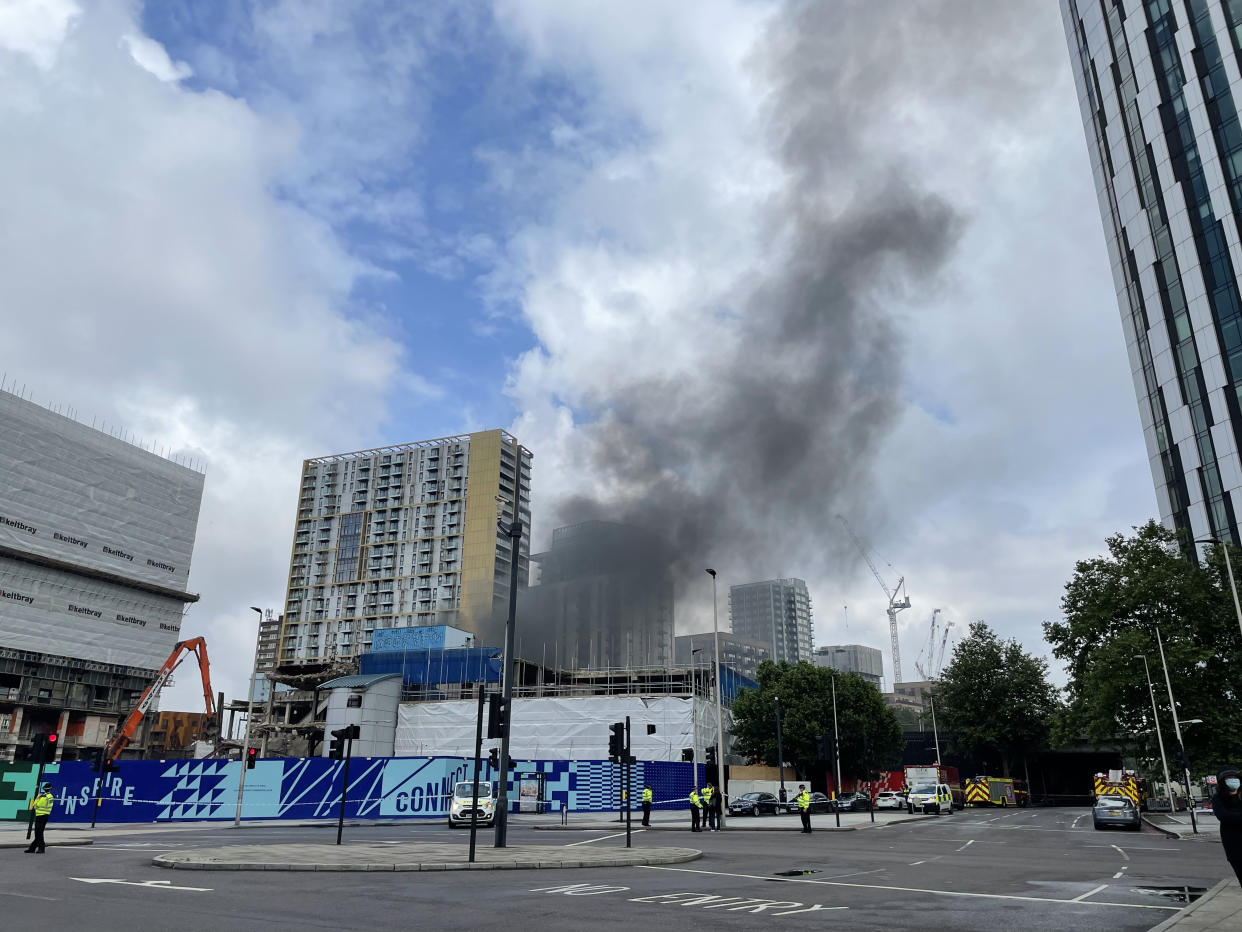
(930, 798)
(461, 810)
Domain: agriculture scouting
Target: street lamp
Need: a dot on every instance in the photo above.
(720, 764)
(241, 784)
(1177, 728)
(514, 531)
(780, 752)
(1233, 586)
(1164, 762)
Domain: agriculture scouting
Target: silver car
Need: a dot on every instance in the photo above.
(1116, 810)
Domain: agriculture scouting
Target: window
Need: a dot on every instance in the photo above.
(353, 702)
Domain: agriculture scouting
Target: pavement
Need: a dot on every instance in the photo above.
(1180, 826)
(414, 856)
(680, 822)
(1218, 910)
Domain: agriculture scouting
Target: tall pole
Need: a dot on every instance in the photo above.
(720, 764)
(514, 530)
(478, 763)
(1177, 728)
(1155, 717)
(935, 734)
(780, 751)
(694, 718)
(836, 753)
(1233, 586)
(241, 784)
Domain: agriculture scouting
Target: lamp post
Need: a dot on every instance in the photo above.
(935, 733)
(720, 764)
(514, 531)
(694, 717)
(1177, 728)
(836, 753)
(1233, 586)
(1155, 715)
(780, 751)
(241, 784)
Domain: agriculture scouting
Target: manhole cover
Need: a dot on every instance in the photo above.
(1175, 894)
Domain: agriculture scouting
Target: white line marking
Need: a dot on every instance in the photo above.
(1120, 852)
(874, 886)
(917, 863)
(153, 884)
(1079, 819)
(1080, 898)
(878, 870)
(601, 838)
(1120, 873)
(30, 896)
(967, 845)
(1161, 850)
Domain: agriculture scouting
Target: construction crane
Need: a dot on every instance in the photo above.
(929, 650)
(944, 640)
(895, 604)
(196, 646)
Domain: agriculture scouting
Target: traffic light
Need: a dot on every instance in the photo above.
(252, 755)
(825, 748)
(1179, 757)
(616, 741)
(710, 755)
(97, 760)
(687, 755)
(493, 758)
(497, 716)
(43, 748)
(336, 749)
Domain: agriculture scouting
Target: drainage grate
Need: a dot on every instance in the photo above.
(1176, 894)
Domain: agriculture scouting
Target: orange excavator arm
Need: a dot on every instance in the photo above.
(196, 646)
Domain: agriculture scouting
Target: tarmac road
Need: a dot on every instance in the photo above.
(981, 869)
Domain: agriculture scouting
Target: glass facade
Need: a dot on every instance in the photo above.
(1157, 81)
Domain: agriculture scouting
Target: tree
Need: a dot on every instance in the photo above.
(994, 699)
(870, 737)
(1112, 608)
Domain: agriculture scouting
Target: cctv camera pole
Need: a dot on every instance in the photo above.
(478, 755)
(514, 530)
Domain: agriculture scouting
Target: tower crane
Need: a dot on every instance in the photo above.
(895, 604)
(944, 640)
(928, 651)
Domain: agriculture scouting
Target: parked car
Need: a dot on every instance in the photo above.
(755, 804)
(1116, 810)
(854, 802)
(819, 803)
(890, 799)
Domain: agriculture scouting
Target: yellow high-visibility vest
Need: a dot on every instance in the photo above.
(42, 804)
(646, 795)
(694, 798)
(804, 800)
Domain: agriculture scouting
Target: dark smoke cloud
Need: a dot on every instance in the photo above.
(745, 462)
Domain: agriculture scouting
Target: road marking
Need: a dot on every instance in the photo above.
(1083, 896)
(1120, 852)
(874, 886)
(152, 884)
(1079, 819)
(917, 863)
(733, 904)
(967, 845)
(601, 838)
(1161, 850)
(1120, 873)
(30, 896)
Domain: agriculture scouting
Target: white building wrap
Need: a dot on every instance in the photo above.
(90, 502)
(570, 728)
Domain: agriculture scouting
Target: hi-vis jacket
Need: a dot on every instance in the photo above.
(694, 799)
(803, 800)
(647, 795)
(42, 804)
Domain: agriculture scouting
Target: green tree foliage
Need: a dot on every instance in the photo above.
(1112, 607)
(994, 699)
(806, 712)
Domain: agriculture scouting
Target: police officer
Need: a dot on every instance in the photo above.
(42, 806)
(696, 806)
(646, 804)
(803, 799)
(709, 809)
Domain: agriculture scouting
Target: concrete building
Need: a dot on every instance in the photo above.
(776, 611)
(1159, 88)
(741, 654)
(604, 600)
(96, 537)
(909, 695)
(402, 536)
(266, 657)
(867, 662)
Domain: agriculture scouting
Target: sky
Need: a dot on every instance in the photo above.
(729, 268)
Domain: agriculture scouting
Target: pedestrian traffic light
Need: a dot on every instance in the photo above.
(616, 741)
(497, 716)
(493, 758)
(252, 755)
(109, 766)
(336, 749)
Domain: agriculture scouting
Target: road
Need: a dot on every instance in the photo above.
(982, 869)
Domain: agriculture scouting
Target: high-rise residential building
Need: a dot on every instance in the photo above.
(96, 536)
(741, 654)
(1159, 88)
(604, 600)
(867, 662)
(402, 536)
(776, 611)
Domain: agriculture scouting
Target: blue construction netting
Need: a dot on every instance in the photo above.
(433, 666)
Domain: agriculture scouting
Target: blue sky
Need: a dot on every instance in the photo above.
(727, 267)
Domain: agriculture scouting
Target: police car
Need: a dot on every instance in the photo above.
(461, 809)
(930, 798)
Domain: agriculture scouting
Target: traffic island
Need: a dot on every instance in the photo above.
(378, 856)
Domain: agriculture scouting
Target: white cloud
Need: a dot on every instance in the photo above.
(152, 56)
(36, 28)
